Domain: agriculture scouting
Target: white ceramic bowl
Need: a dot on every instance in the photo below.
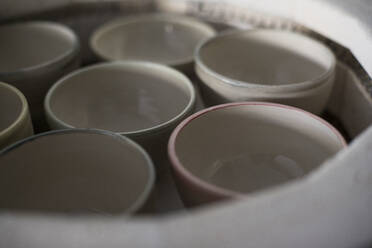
(313, 100)
(15, 121)
(33, 56)
(240, 64)
(75, 171)
(161, 38)
(142, 100)
(231, 150)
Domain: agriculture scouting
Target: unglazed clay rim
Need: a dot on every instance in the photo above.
(154, 66)
(22, 115)
(67, 56)
(238, 83)
(211, 188)
(141, 199)
(193, 23)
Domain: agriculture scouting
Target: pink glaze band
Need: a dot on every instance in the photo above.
(177, 165)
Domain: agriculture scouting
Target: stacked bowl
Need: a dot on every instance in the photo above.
(266, 65)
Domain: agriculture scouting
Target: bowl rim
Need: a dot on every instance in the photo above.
(250, 85)
(192, 22)
(209, 187)
(23, 115)
(142, 198)
(137, 64)
(47, 65)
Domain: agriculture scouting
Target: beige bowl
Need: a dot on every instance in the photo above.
(161, 38)
(33, 56)
(231, 150)
(15, 121)
(239, 65)
(141, 100)
(75, 171)
(313, 100)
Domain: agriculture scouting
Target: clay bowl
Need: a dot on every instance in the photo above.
(33, 56)
(233, 150)
(160, 38)
(244, 65)
(15, 121)
(144, 101)
(313, 100)
(75, 172)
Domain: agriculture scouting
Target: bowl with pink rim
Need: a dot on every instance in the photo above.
(236, 149)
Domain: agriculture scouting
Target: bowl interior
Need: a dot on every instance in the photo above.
(74, 172)
(245, 148)
(161, 39)
(266, 57)
(121, 98)
(28, 45)
(10, 107)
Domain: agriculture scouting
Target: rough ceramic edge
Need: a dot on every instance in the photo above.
(196, 181)
(21, 117)
(152, 66)
(67, 56)
(238, 83)
(150, 184)
(186, 20)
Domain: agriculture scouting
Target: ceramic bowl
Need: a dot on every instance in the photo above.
(75, 171)
(313, 100)
(161, 38)
(244, 63)
(142, 100)
(231, 150)
(33, 56)
(15, 121)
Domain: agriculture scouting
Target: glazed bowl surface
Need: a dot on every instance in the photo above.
(75, 171)
(236, 149)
